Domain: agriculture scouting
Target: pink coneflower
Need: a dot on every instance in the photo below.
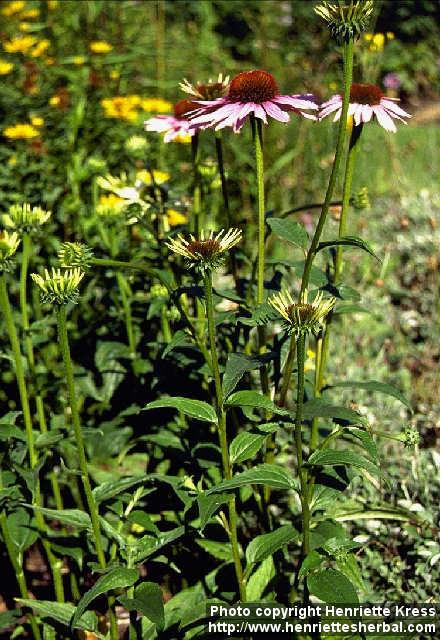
(176, 127)
(366, 100)
(251, 92)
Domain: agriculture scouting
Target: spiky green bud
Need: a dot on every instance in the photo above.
(410, 437)
(75, 254)
(59, 287)
(346, 20)
(25, 218)
(8, 246)
(360, 200)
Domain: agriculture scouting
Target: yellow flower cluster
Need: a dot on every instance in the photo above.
(128, 107)
(159, 177)
(100, 46)
(13, 8)
(21, 131)
(27, 44)
(30, 13)
(378, 40)
(5, 67)
(175, 217)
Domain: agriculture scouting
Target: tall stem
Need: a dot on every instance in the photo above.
(301, 347)
(5, 306)
(222, 433)
(259, 166)
(322, 361)
(197, 187)
(348, 75)
(93, 510)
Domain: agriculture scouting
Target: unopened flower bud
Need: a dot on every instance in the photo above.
(59, 287)
(410, 437)
(25, 218)
(346, 20)
(360, 200)
(8, 246)
(75, 254)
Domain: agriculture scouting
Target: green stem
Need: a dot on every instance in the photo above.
(93, 510)
(222, 433)
(5, 306)
(124, 291)
(259, 167)
(348, 179)
(348, 75)
(26, 252)
(302, 473)
(197, 187)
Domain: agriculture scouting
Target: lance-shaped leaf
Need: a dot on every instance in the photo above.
(269, 475)
(192, 408)
(289, 230)
(349, 241)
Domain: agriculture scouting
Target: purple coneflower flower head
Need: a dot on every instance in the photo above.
(391, 81)
(176, 127)
(366, 100)
(251, 92)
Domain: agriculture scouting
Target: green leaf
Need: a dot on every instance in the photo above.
(11, 431)
(350, 241)
(148, 545)
(180, 339)
(21, 530)
(62, 613)
(192, 408)
(71, 517)
(349, 307)
(269, 475)
(245, 446)
(330, 585)
(289, 230)
(208, 505)
(318, 408)
(220, 550)
(255, 400)
(46, 440)
(334, 457)
(376, 514)
(310, 562)
(8, 618)
(347, 564)
(367, 442)
(259, 580)
(265, 545)
(117, 578)
(148, 600)
(108, 490)
(380, 387)
(236, 366)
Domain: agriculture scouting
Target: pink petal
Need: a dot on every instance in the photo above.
(367, 113)
(259, 112)
(297, 102)
(275, 112)
(211, 117)
(337, 115)
(239, 113)
(390, 106)
(334, 100)
(384, 119)
(330, 108)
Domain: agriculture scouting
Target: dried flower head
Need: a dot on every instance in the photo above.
(59, 287)
(8, 246)
(302, 317)
(210, 90)
(25, 218)
(346, 20)
(75, 254)
(205, 253)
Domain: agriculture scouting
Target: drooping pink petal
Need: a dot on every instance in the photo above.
(297, 101)
(384, 119)
(330, 108)
(337, 115)
(275, 112)
(391, 106)
(259, 112)
(240, 112)
(210, 117)
(334, 100)
(159, 123)
(357, 113)
(367, 113)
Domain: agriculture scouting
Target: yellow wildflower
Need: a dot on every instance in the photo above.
(24, 26)
(390, 35)
(55, 101)
(183, 138)
(78, 60)
(12, 8)
(114, 74)
(52, 4)
(5, 67)
(40, 48)
(30, 13)
(368, 37)
(19, 45)
(159, 176)
(156, 105)
(176, 217)
(100, 46)
(37, 121)
(121, 107)
(12, 160)
(379, 41)
(21, 132)
(111, 201)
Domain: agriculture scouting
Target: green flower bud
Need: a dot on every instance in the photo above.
(75, 254)
(360, 200)
(346, 20)
(8, 246)
(24, 218)
(410, 437)
(59, 287)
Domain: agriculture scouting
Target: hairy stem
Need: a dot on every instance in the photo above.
(302, 473)
(222, 433)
